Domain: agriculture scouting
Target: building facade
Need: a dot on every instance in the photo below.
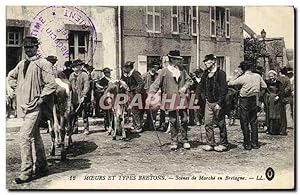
(83, 32)
(150, 32)
(109, 36)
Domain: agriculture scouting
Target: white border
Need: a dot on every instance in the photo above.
(111, 2)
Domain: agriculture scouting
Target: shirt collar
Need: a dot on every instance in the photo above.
(33, 58)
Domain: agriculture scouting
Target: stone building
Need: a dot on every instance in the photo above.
(150, 32)
(109, 36)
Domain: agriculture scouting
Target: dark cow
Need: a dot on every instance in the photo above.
(118, 110)
(231, 105)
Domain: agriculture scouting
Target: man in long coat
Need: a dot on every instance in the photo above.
(174, 82)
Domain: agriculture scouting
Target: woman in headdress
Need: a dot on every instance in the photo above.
(274, 103)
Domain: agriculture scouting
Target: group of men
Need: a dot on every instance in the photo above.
(33, 81)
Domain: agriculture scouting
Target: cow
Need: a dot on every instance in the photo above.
(117, 112)
(231, 105)
(60, 125)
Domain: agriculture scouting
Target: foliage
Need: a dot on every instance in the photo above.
(253, 49)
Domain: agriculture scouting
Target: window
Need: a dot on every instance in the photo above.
(13, 37)
(219, 22)
(153, 19)
(186, 62)
(227, 23)
(221, 62)
(152, 60)
(184, 25)
(175, 22)
(78, 44)
(212, 12)
(194, 21)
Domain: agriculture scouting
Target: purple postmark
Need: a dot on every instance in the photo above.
(52, 25)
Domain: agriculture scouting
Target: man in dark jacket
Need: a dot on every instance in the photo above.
(196, 115)
(149, 77)
(288, 93)
(135, 83)
(213, 88)
(80, 84)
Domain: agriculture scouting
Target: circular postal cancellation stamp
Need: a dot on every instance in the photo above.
(66, 32)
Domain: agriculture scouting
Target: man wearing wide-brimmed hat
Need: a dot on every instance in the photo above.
(33, 81)
(196, 115)
(213, 88)
(174, 81)
(100, 86)
(135, 82)
(80, 84)
(252, 85)
(149, 77)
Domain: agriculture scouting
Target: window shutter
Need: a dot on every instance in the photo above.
(227, 65)
(212, 21)
(227, 23)
(174, 22)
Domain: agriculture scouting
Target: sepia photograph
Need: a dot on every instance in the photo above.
(163, 97)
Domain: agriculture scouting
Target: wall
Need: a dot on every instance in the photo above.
(232, 47)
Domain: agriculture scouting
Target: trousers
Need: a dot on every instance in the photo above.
(215, 117)
(33, 155)
(248, 116)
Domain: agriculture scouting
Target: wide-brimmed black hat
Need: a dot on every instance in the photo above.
(88, 67)
(209, 57)
(50, 58)
(289, 70)
(30, 41)
(245, 64)
(198, 70)
(128, 64)
(68, 63)
(77, 63)
(175, 54)
(106, 69)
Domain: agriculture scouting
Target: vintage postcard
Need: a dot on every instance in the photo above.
(150, 97)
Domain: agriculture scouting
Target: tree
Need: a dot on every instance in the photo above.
(253, 49)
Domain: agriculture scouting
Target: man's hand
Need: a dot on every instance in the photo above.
(40, 101)
(182, 90)
(218, 107)
(82, 99)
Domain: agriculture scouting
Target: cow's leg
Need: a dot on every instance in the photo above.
(115, 125)
(52, 134)
(62, 134)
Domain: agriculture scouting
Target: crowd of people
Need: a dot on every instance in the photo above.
(32, 83)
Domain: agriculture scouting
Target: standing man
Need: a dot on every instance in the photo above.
(174, 80)
(68, 69)
(213, 89)
(135, 83)
(251, 88)
(149, 77)
(33, 81)
(100, 86)
(80, 85)
(286, 84)
(196, 115)
(90, 99)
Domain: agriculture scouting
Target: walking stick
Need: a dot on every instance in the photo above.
(155, 128)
